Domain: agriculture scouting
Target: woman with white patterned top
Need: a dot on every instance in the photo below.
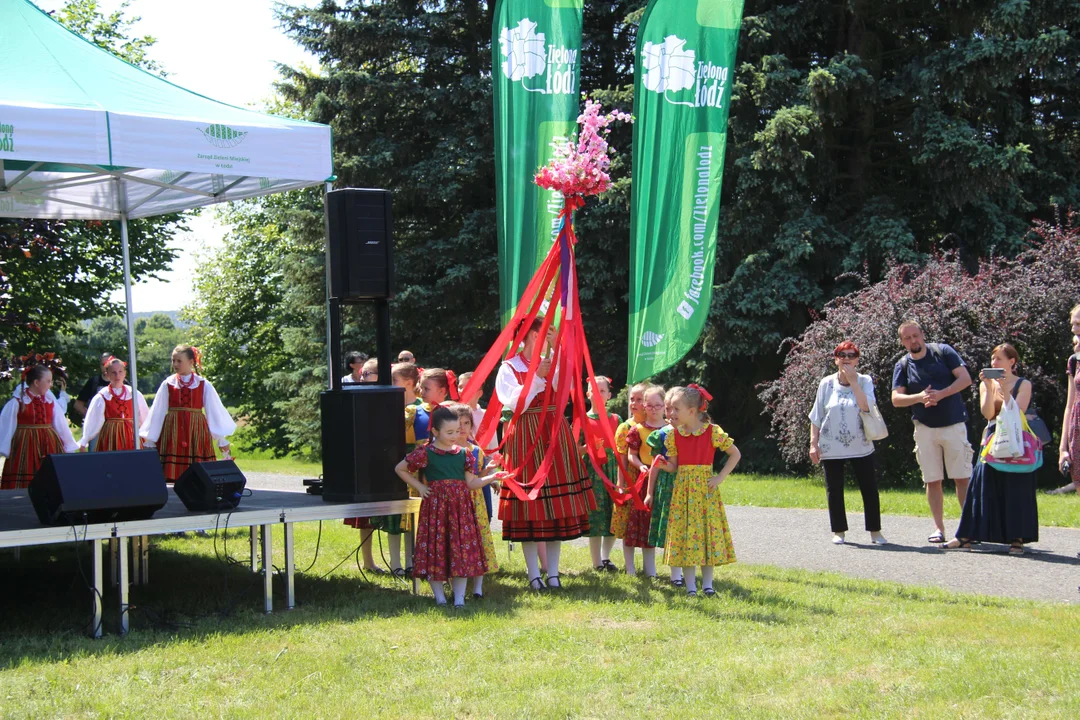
(837, 438)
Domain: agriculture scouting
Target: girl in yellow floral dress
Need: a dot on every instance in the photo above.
(697, 530)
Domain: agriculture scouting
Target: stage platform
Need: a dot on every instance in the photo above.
(19, 527)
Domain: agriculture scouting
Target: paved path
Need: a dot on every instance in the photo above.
(801, 539)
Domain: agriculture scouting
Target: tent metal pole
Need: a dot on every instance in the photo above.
(130, 324)
(333, 309)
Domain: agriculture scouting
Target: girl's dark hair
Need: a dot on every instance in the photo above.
(442, 415)
(406, 370)
(692, 398)
(35, 373)
(1010, 352)
(185, 350)
(439, 376)
(354, 357)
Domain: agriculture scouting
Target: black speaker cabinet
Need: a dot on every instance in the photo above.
(98, 487)
(359, 244)
(211, 486)
(363, 438)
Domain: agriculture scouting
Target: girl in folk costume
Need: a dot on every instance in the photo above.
(640, 458)
(448, 543)
(109, 417)
(31, 427)
(697, 532)
(483, 520)
(621, 514)
(187, 417)
(658, 492)
(561, 509)
(601, 539)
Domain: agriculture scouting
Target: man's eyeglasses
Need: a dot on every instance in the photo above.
(848, 355)
(369, 374)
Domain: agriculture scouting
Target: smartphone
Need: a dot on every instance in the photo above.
(993, 373)
(1066, 468)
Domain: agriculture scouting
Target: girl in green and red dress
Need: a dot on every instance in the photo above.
(697, 528)
(187, 418)
(601, 539)
(658, 492)
(621, 513)
(448, 542)
(109, 418)
(641, 457)
(31, 427)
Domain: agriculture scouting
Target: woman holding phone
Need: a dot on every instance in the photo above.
(1069, 459)
(1000, 507)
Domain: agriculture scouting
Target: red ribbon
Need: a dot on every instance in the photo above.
(704, 394)
(451, 385)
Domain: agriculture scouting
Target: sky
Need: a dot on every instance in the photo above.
(226, 50)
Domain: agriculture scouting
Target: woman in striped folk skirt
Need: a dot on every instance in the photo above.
(31, 427)
(186, 418)
(109, 416)
(561, 510)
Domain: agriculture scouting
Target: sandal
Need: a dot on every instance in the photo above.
(679, 583)
(709, 592)
(1016, 549)
(610, 566)
(936, 537)
(691, 593)
(554, 577)
(478, 596)
(537, 584)
(960, 545)
(397, 572)
(376, 571)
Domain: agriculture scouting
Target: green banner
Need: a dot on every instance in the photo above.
(536, 69)
(682, 90)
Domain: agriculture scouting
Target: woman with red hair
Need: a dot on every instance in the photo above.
(837, 438)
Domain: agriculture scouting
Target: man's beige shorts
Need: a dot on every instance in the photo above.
(943, 452)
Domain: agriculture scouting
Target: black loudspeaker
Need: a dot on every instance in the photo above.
(98, 487)
(363, 438)
(211, 486)
(359, 245)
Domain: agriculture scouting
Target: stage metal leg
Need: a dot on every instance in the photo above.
(144, 545)
(99, 587)
(409, 543)
(254, 548)
(114, 549)
(123, 581)
(290, 568)
(17, 552)
(136, 559)
(268, 569)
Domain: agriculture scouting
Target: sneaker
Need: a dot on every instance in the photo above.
(878, 539)
(838, 538)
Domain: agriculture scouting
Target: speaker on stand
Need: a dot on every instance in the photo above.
(211, 486)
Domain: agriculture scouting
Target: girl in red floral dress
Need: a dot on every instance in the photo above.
(640, 455)
(448, 541)
(31, 427)
(186, 418)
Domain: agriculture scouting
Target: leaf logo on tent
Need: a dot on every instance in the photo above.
(668, 66)
(650, 339)
(523, 50)
(222, 136)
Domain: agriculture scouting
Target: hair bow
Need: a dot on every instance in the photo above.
(451, 384)
(706, 398)
(198, 356)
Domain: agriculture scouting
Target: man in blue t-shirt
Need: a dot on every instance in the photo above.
(929, 380)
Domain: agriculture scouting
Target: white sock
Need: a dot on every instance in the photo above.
(554, 549)
(437, 591)
(478, 584)
(605, 548)
(595, 551)
(676, 573)
(706, 577)
(690, 574)
(628, 559)
(648, 560)
(395, 551)
(532, 561)
(458, 585)
(409, 537)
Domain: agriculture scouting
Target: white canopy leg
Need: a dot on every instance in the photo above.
(130, 324)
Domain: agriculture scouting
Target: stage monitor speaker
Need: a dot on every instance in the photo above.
(98, 487)
(363, 439)
(359, 244)
(211, 486)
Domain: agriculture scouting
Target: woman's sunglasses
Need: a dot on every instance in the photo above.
(848, 355)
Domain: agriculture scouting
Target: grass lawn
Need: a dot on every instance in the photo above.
(772, 643)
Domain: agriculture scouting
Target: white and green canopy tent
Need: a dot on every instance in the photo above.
(84, 135)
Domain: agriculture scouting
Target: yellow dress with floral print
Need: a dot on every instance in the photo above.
(697, 530)
(482, 518)
(620, 514)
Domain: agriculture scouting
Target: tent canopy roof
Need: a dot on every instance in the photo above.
(85, 135)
